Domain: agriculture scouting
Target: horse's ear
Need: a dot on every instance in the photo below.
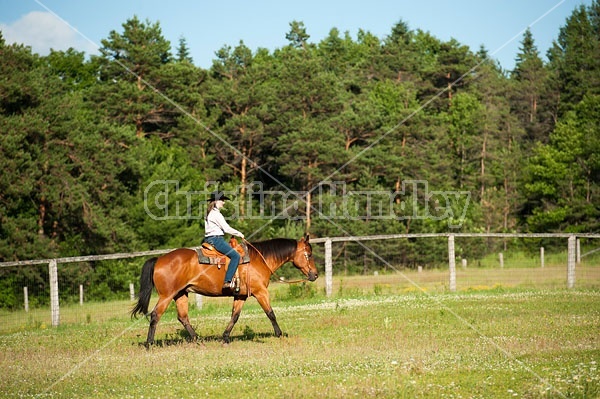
(306, 237)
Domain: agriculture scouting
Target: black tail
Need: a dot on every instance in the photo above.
(146, 285)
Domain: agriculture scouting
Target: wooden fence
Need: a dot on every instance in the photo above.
(572, 250)
(572, 258)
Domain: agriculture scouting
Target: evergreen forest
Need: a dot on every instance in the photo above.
(90, 144)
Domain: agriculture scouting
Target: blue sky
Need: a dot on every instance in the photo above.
(208, 26)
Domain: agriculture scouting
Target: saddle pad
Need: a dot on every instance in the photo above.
(210, 260)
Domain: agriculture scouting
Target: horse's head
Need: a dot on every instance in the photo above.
(303, 259)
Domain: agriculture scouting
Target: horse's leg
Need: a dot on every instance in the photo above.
(181, 301)
(263, 299)
(159, 309)
(238, 303)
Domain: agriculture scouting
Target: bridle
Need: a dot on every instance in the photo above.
(306, 254)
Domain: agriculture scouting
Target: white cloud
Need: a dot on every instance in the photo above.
(43, 31)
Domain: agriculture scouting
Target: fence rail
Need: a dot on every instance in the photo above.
(572, 249)
(572, 257)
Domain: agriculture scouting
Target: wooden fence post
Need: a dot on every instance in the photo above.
(131, 292)
(571, 262)
(26, 296)
(54, 305)
(452, 262)
(501, 259)
(542, 255)
(199, 301)
(328, 268)
(80, 294)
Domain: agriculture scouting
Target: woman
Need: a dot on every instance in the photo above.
(215, 227)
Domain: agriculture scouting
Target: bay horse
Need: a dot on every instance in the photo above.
(178, 273)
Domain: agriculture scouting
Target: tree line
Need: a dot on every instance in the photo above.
(83, 138)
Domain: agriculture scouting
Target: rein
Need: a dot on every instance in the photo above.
(266, 264)
(281, 280)
(261, 255)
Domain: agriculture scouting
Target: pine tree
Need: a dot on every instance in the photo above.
(575, 58)
(564, 175)
(183, 52)
(529, 77)
(309, 149)
(129, 71)
(75, 179)
(297, 35)
(241, 95)
(465, 123)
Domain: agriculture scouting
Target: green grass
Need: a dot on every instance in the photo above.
(519, 259)
(363, 342)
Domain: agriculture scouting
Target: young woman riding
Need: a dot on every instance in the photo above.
(215, 227)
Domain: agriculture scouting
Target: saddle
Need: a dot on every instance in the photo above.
(208, 255)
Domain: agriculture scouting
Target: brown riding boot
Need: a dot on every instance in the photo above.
(227, 288)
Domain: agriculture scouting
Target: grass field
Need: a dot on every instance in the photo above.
(375, 337)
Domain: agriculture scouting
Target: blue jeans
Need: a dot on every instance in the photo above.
(234, 257)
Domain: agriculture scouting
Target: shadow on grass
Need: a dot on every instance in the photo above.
(182, 337)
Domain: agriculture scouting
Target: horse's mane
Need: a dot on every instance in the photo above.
(278, 248)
